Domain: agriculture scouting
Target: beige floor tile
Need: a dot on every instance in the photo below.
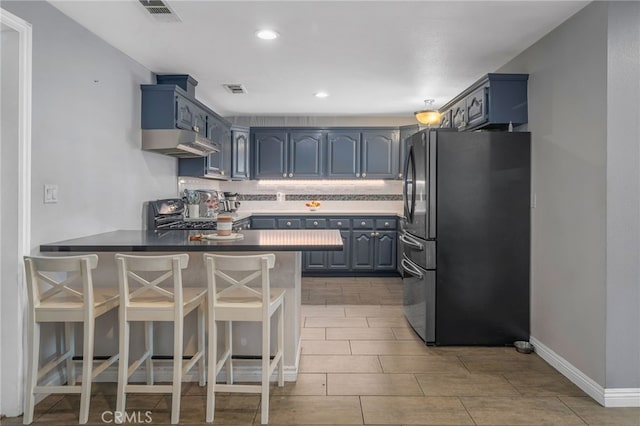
(465, 384)
(335, 322)
(315, 410)
(325, 347)
(414, 410)
(339, 364)
(388, 347)
(515, 410)
(344, 299)
(387, 322)
(372, 384)
(322, 311)
(595, 414)
(503, 364)
(374, 311)
(421, 364)
(359, 333)
(312, 334)
(325, 292)
(305, 384)
(533, 384)
(404, 333)
(321, 301)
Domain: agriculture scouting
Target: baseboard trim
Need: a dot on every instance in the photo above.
(613, 397)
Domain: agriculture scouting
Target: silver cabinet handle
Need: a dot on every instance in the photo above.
(407, 266)
(315, 223)
(339, 223)
(357, 174)
(284, 175)
(196, 129)
(363, 223)
(411, 242)
(364, 175)
(386, 224)
(290, 174)
(288, 223)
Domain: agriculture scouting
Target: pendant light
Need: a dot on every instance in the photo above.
(428, 115)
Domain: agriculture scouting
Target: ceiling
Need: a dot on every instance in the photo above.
(372, 57)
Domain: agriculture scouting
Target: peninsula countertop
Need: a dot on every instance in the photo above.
(171, 241)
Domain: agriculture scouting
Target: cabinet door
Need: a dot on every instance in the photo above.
(215, 165)
(225, 148)
(185, 113)
(200, 122)
(314, 260)
(445, 119)
(340, 260)
(240, 154)
(385, 251)
(305, 154)
(379, 154)
(477, 107)
(343, 154)
(362, 246)
(459, 115)
(405, 137)
(270, 154)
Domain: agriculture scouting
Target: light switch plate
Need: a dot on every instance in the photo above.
(50, 193)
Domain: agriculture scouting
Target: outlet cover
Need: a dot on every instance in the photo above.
(50, 193)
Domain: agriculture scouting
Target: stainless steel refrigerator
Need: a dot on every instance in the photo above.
(465, 239)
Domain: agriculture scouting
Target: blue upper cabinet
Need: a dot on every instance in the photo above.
(380, 149)
(306, 149)
(343, 154)
(239, 153)
(492, 102)
(270, 154)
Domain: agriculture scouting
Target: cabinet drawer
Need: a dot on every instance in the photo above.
(289, 223)
(315, 223)
(263, 223)
(363, 223)
(339, 223)
(385, 224)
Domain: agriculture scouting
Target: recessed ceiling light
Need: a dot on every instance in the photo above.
(321, 94)
(267, 34)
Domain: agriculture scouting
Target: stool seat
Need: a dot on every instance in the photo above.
(67, 308)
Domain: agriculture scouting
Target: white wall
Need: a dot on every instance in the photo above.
(86, 131)
(567, 119)
(10, 290)
(584, 109)
(623, 196)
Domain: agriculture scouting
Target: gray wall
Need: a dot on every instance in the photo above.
(584, 104)
(86, 131)
(623, 196)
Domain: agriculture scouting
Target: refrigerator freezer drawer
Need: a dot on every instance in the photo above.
(419, 251)
(419, 299)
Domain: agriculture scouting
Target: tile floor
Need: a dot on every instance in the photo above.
(362, 364)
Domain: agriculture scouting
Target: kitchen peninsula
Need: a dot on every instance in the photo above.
(286, 244)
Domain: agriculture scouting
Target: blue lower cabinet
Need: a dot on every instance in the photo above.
(314, 260)
(340, 260)
(385, 251)
(362, 255)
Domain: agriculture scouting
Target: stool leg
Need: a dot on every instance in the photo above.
(211, 361)
(266, 361)
(123, 366)
(177, 371)
(281, 345)
(87, 368)
(228, 339)
(201, 339)
(148, 347)
(33, 331)
(69, 346)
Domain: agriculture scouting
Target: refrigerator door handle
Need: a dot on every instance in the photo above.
(409, 183)
(408, 266)
(411, 242)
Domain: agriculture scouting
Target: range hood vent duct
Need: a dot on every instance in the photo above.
(177, 143)
(160, 10)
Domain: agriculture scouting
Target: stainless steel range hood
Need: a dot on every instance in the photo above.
(177, 143)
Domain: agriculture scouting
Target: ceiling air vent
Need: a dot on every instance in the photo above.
(236, 89)
(160, 10)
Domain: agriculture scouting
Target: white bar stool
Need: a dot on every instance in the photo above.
(150, 302)
(64, 301)
(239, 302)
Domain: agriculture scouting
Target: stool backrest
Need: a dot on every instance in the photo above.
(143, 275)
(237, 272)
(68, 275)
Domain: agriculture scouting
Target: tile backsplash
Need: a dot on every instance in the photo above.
(335, 196)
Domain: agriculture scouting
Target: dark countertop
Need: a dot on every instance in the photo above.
(151, 241)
